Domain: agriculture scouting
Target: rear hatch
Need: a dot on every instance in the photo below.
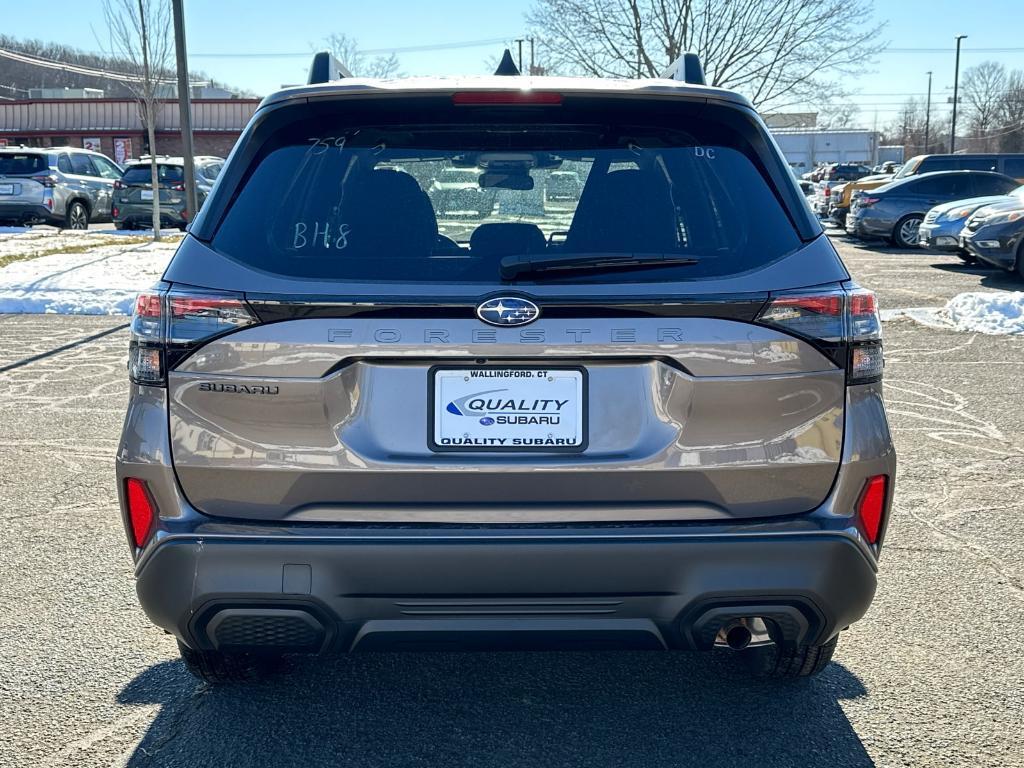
(341, 351)
(136, 185)
(24, 177)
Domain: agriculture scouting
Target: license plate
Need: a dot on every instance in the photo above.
(6, 189)
(508, 408)
(147, 194)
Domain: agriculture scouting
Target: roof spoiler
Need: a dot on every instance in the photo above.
(507, 65)
(686, 68)
(326, 68)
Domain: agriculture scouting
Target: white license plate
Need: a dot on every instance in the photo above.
(6, 189)
(511, 408)
(147, 194)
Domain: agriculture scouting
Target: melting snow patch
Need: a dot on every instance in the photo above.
(995, 313)
(101, 281)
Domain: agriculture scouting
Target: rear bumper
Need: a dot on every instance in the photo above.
(28, 213)
(860, 225)
(614, 587)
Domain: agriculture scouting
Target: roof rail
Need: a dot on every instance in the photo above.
(686, 68)
(326, 68)
(507, 65)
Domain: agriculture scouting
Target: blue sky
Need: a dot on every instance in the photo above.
(232, 30)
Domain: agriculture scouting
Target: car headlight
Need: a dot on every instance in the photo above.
(1004, 217)
(957, 214)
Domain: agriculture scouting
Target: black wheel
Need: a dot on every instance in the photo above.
(778, 661)
(77, 217)
(904, 234)
(218, 667)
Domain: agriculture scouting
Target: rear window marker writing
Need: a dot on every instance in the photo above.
(338, 239)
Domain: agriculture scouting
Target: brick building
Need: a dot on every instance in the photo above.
(113, 126)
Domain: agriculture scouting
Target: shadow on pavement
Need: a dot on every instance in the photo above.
(509, 709)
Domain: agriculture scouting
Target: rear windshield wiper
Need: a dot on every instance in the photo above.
(520, 264)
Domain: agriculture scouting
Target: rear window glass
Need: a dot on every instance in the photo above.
(21, 163)
(446, 203)
(141, 174)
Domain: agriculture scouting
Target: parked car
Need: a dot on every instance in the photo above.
(889, 167)
(832, 176)
(942, 225)
(994, 234)
(563, 185)
(1007, 164)
(894, 212)
(133, 193)
(62, 186)
(845, 172)
(457, 190)
(842, 197)
(348, 431)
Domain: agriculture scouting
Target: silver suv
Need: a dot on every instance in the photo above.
(62, 186)
(651, 418)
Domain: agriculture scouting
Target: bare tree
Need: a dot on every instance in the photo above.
(983, 88)
(1011, 113)
(346, 49)
(777, 52)
(141, 35)
(832, 116)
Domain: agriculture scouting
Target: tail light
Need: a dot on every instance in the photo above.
(871, 507)
(842, 323)
(866, 201)
(141, 510)
(828, 191)
(167, 327)
(48, 180)
(120, 185)
(178, 187)
(507, 98)
(115, 211)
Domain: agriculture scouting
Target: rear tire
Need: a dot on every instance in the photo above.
(76, 217)
(219, 667)
(780, 662)
(904, 234)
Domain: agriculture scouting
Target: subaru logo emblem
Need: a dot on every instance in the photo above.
(508, 310)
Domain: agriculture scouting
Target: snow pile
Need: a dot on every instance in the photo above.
(99, 281)
(994, 313)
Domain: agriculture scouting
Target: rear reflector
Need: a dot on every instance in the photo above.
(872, 506)
(141, 512)
(514, 98)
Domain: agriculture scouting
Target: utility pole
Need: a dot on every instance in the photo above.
(956, 95)
(928, 113)
(532, 64)
(185, 109)
(519, 41)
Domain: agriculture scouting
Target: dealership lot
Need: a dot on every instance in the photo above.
(932, 676)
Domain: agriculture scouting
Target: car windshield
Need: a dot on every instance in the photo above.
(21, 163)
(382, 203)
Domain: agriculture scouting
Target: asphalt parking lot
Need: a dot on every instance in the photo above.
(933, 676)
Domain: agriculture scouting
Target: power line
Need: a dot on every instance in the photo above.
(365, 51)
(39, 61)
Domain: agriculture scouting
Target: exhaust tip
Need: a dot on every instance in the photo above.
(737, 637)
